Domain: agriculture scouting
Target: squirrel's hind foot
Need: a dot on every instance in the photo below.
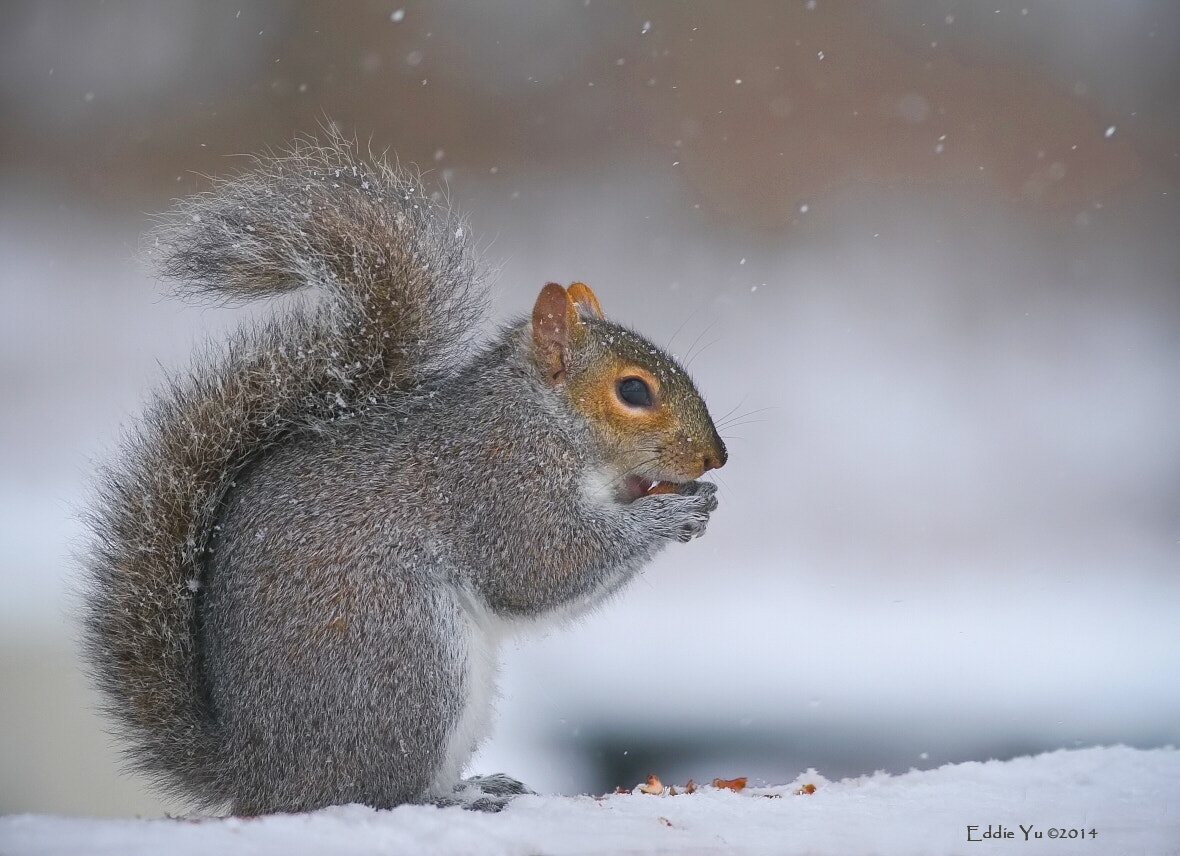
(483, 793)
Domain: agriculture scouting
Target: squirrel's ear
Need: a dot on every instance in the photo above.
(555, 316)
(585, 300)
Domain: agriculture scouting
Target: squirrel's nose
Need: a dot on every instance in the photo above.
(717, 457)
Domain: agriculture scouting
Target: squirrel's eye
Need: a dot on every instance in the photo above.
(634, 391)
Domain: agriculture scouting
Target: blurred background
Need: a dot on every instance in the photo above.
(922, 256)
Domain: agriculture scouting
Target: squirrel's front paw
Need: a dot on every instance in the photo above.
(684, 515)
(706, 491)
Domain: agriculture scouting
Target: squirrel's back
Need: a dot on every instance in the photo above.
(398, 300)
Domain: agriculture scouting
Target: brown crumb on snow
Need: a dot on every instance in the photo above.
(653, 786)
(730, 784)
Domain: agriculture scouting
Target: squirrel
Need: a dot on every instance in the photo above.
(306, 551)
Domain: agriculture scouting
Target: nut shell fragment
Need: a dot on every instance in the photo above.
(730, 784)
(653, 786)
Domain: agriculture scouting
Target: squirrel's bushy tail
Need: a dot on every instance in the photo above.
(399, 298)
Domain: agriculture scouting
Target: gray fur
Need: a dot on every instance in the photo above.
(291, 556)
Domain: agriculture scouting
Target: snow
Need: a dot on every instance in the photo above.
(1119, 800)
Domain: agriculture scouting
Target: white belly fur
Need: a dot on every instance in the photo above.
(480, 659)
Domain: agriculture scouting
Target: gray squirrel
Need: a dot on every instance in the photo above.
(307, 550)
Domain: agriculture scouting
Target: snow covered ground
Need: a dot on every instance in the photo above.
(1102, 801)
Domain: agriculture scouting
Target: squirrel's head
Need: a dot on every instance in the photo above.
(650, 424)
